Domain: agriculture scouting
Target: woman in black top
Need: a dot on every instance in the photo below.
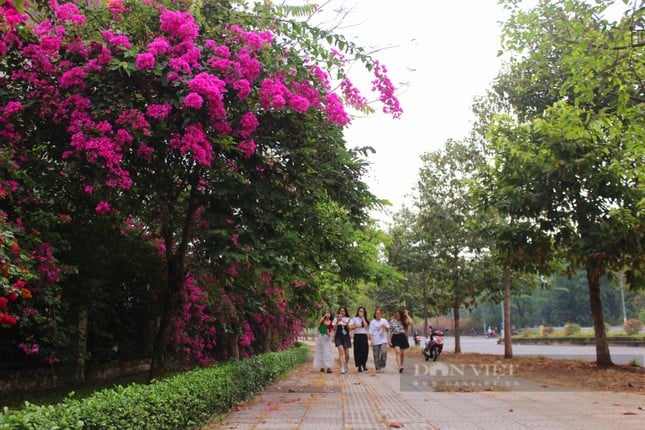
(341, 337)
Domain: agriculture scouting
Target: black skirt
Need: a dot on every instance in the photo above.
(342, 339)
(400, 340)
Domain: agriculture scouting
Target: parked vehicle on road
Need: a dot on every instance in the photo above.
(433, 345)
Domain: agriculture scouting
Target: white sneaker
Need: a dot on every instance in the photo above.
(342, 370)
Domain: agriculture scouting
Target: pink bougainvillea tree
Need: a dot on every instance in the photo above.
(171, 112)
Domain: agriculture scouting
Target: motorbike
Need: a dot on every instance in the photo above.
(491, 333)
(433, 345)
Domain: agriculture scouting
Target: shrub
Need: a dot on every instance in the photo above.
(546, 330)
(571, 329)
(632, 326)
(183, 401)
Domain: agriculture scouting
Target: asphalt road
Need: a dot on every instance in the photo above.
(480, 344)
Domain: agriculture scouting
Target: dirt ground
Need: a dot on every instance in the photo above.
(565, 373)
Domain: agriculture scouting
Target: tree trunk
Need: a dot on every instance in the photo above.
(267, 338)
(508, 346)
(234, 345)
(176, 252)
(81, 351)
(425, 307)
(456, 317)
(603, 358)
(169, 303)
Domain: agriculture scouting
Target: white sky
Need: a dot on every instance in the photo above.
(446, 51)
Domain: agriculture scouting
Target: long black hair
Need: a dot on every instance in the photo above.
(345, 309)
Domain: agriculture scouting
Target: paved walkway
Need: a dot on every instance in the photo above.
(309, 400)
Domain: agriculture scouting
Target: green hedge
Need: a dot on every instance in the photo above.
(184, 401)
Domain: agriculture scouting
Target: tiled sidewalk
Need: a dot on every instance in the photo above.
(310, 400)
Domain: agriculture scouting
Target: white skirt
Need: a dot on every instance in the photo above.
(324, 352)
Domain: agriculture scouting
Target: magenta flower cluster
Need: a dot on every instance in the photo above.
(207, 73)
(196, 100)
(385, 88)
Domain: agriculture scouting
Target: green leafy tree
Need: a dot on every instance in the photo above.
(456, 255)
(568, 161)
(406, 252)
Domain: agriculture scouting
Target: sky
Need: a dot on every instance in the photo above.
(442, 54)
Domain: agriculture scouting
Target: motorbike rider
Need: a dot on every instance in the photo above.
(433, 344)
(430, 333)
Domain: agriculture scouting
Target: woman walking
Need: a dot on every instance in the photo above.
(324, 353)
(360, 326)
(399, 336)
(378, 334)
(341, 338)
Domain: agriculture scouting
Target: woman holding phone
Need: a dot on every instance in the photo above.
(399, 336)
(360, 325)
(341, 338)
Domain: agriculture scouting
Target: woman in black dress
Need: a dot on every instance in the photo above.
(341, 337)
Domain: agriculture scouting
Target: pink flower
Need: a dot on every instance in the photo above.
(335, 111)
(117, 40)
(210, 86)
(195, 141)
(193, 100)
(51, 360)
(145, 61)
(243, 88)
(13, 107)
(248, 123)
(298, 103)
(29, 349)
(159, 111)
(102, 208)
(179, 24)
(273, 93)
(158, 46)
(69, 12)
(72, 78)
(385, 87)
(352, 94)
(232, 270)
(144, 151)
(247, 147)
(179, 65)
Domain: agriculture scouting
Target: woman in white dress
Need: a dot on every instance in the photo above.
(324, 352)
